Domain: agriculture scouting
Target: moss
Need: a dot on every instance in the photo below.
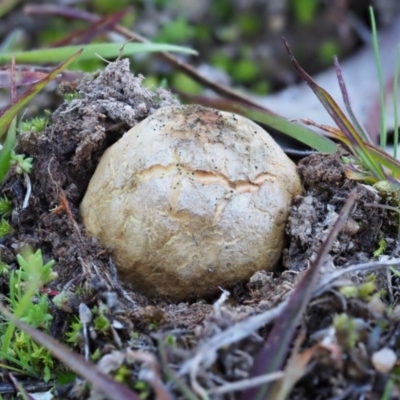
(381, 249)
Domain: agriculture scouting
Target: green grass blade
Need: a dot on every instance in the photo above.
(396, 103)
(11, 111)
(10, 41)
(340, 119)
(385, 159)
(23, 304)
(90, 51)
(292, 129)
(5, 153)
(375, 45)
(24, 368)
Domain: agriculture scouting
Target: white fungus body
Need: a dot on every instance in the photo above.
(191, 199)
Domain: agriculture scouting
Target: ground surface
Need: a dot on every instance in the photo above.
(65, 157)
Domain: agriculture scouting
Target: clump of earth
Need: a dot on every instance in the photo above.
(312, 215)
(65, 157)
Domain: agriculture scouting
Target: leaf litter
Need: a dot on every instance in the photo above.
(208, 348)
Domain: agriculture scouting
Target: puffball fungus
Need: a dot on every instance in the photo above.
(191, 199)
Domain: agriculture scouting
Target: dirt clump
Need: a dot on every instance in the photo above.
(313, 214)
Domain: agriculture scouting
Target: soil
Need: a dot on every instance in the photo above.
(65, 156)
(312, 215)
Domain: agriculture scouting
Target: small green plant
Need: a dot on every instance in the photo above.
(21, 163)
(8, 146)
(33, 125)
(29, 353)
(381, 249)
(143, 389)
(101, 322)
(122, 374)
(170, 340)
(32, 307)
(38, 315)
(363, 291)
(33, 264)
(5, 228)
(4, 268)
(5, 207)
(346, 330)
(69, 96)
(96, 355)
(75, 331)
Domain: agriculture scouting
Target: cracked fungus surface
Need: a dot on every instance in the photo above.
(191, 199)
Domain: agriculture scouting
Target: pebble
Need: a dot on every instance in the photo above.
(384, 360)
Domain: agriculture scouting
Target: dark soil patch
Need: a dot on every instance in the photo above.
(65, 157)
(312, 215)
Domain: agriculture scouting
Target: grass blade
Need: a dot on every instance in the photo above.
(11, 111)
(358, 127)
(340, 119)
(385, 159)
(375, 45)
(275, 350)
(90, 51)
(5, 153)
(396, 103)
(292, 129)
(75, 361)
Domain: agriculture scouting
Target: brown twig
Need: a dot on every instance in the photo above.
(64, 207)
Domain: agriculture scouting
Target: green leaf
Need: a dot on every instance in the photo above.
(380, 156)
(90, 51)
(6, 151)
(292, 129)
(375, 45)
